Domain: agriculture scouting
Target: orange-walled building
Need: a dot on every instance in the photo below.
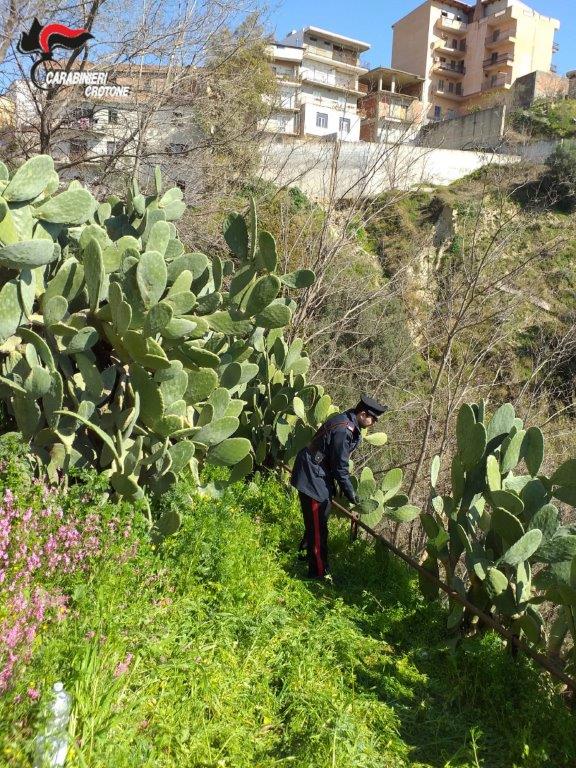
(467, 54)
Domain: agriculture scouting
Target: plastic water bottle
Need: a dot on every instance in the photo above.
(52, 744)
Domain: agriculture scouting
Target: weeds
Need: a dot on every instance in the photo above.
(215, 652)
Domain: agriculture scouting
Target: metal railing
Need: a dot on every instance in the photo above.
(446, 46)
(503, 58)
(499, 82)
(445, 67)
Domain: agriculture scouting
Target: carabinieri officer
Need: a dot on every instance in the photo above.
(319, 465)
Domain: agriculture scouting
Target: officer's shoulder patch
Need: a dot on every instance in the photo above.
(350, 426)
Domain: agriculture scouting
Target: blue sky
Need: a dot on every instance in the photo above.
(371, 22)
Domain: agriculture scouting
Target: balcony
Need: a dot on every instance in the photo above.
(452, 25)
(83, 123)
(449, 68)
(328, 103)
(396, 106)
(498, 82)
(287, 76)
(497, 19)
(350, 59)
(445, 47)
(453, 95)
(342, 85)
(503, 60)
(499, 38)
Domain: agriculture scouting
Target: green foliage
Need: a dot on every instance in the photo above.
(213, 650)
(547, 119)
(114, 337)
(498, 522)
(560, 179)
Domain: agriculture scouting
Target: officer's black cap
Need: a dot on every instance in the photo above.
(372, 407)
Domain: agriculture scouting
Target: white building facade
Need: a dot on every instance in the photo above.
(317, 74)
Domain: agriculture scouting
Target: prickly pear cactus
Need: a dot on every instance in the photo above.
(501, 522)
(122, 349)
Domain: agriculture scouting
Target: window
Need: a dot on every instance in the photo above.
(493, 80)
(345, 124)
(110, 147)
(440, 85)
(437, 113)
(450, 87)
(494, 57)
(454, 43)
(321, 120)
(458, 89)
(78, 148)
(451, 114)
(113, 116)
(495, 35)
(82, 112)
(313, 39)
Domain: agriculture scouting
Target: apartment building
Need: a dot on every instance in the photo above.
(318, 77)
(470, 54)
(392, 109)
(154, 118)
(286, 62)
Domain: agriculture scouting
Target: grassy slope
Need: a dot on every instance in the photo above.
(240, 662)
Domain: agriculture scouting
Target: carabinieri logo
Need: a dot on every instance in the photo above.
(44, 40)
(46, 72)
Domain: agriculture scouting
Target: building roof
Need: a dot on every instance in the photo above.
(454, 3)
(466, 7)
(285, 45)
(401, 77)
(336, 38)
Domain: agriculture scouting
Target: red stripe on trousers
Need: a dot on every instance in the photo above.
(316, 549)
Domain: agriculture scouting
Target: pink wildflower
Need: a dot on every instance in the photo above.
(123, 666)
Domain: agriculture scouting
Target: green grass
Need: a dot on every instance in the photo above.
(239, 661)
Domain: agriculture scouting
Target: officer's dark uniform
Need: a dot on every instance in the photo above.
(316, 469)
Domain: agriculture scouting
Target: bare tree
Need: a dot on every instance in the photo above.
(196, 74)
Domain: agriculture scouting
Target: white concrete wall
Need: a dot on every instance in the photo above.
(367, 169)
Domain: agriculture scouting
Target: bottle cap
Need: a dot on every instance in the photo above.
(58, 687)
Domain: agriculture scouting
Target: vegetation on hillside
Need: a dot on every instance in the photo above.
(444, 291)
(546, 119)
(214, 652)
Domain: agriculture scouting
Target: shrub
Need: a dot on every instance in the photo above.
(560, 179)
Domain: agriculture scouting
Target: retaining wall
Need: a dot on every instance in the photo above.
(338, 170)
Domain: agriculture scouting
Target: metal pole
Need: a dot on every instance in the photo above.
(539, 658)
